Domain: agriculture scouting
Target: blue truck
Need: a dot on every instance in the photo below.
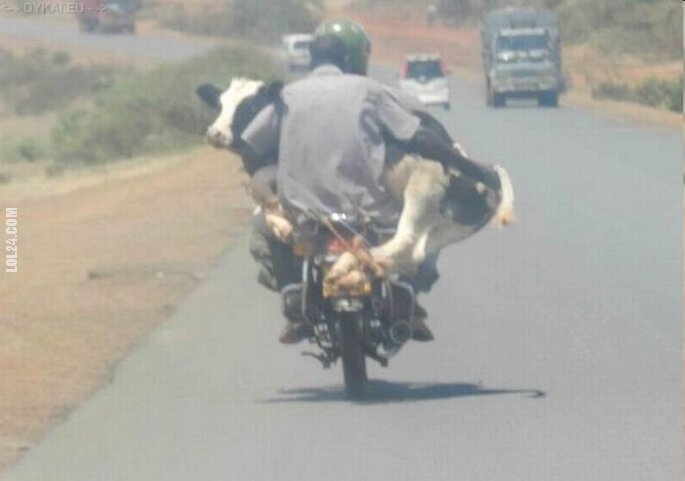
(522, 56)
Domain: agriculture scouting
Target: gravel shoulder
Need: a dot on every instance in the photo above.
(105, 254)
(104, 257)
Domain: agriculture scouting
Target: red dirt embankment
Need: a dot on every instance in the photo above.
(396, 36)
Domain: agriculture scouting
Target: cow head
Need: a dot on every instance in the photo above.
(238, 106)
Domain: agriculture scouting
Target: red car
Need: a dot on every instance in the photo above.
(108, 15)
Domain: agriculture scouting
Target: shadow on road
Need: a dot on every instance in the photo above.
(378, 392)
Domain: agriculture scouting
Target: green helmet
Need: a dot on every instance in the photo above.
(354, 37)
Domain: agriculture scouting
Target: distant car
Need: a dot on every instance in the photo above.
(425, 77)
(295, 51)
(118, 16)
(108, 16)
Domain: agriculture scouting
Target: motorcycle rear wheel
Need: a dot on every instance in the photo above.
(352, 354)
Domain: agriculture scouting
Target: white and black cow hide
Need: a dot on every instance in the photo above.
(439, 208)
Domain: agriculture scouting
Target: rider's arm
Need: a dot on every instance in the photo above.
(413, 104)
(252, 161)
(430, 146)
(407, 128)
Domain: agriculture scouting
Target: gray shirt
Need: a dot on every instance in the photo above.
(332, 142)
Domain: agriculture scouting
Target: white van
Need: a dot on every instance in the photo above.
(295, 51)
(425, 77)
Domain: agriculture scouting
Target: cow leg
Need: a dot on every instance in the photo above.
(446, 231)
(279, 266)
(440, 235)
(263, 190)
(422, 196)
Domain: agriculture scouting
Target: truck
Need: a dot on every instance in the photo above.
(107, 15)
(521, 50)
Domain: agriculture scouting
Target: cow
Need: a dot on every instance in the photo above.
(438, 206)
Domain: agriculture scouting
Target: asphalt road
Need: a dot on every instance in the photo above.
(557, 355)
(154, 48)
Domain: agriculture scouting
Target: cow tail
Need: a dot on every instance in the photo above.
(505, 214)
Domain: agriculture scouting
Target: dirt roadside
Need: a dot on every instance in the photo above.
(104, 257)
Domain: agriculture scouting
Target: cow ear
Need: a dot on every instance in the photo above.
(273, 90)
(209, 95)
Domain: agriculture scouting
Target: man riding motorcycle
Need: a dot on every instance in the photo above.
(335, 131)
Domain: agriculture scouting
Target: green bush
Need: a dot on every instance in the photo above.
(216, 23)
(255, 19)
(154, 112)
(28, 149)
(651, 29)
(54, 170)
(40, 81)
(658, 93)
(662, 94)
(611, 90)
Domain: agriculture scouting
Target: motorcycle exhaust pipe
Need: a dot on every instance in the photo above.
(400, 332)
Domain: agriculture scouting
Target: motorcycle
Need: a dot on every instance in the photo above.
(354, 314)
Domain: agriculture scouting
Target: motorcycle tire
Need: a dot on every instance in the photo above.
(353, 357)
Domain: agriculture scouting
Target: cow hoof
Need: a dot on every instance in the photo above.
(385, 267)
(345, 264)
(380, 257)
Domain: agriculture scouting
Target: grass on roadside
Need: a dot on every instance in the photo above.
(41, 81)
(257, 20)
(154, 112)
(654, 92)
(27, 149)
